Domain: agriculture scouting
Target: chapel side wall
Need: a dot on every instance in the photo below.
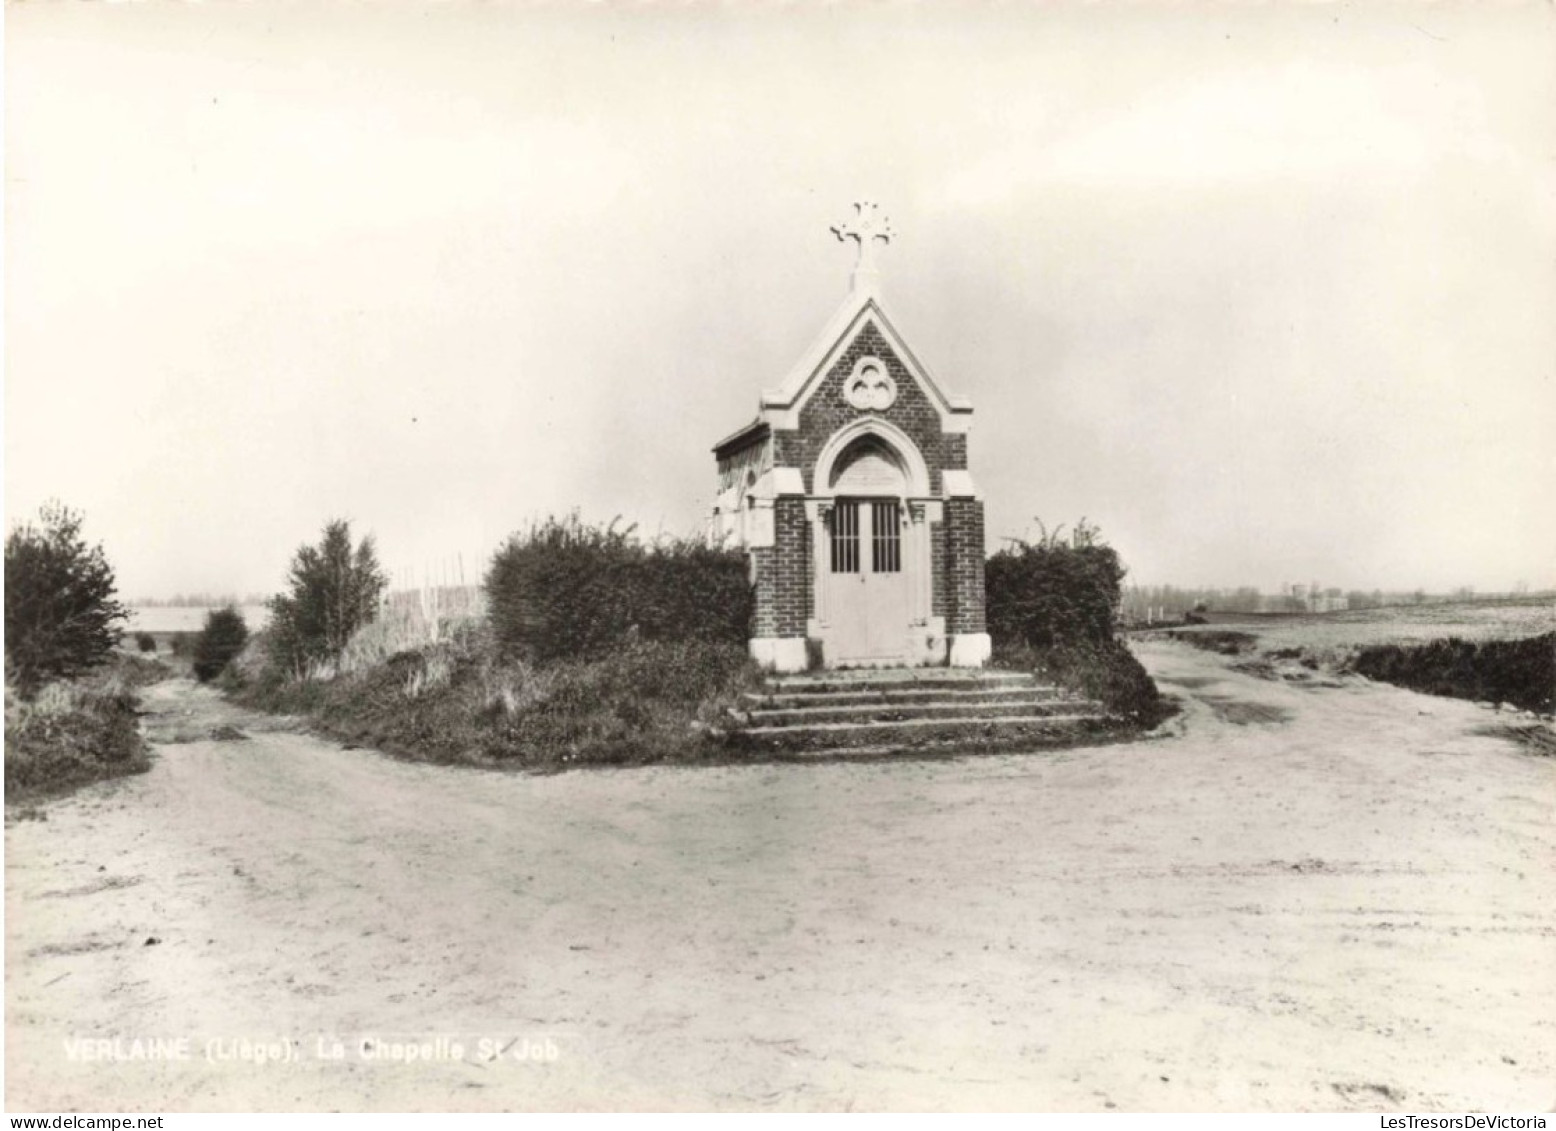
(783, 574)
(764, 614)
(792, 572)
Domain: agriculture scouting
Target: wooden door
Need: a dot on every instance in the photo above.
(867, 594)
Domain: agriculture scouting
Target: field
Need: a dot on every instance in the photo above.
(187, 618)
(1304, 893)
(1328, 636)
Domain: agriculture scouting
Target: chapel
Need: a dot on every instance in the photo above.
(850, 493)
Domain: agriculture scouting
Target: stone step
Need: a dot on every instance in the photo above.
(901, 712)
(875, 697)
(920, 679)
(925, 712)
(919, 735)
(935, 747)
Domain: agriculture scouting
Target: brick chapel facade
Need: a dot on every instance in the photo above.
(851, 494)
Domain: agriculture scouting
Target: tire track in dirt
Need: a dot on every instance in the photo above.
(1344, 904)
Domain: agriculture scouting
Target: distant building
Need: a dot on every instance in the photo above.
(1305, 599)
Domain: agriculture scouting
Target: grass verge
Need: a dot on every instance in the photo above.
(73, 733)
(1222, 641)
(454, 702)
(1108, 673)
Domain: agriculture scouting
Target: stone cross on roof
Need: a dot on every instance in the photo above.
(868, 225)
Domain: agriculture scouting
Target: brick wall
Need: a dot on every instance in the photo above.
(792, 575)
(964, 565)
(826, 411)
(955, 448)
(764, 618)
(939, 592)
(784, 573)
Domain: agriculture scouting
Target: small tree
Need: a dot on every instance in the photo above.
(61, 616)
(223, 637)
(335, 591)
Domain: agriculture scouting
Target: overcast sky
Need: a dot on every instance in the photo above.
(1268, 292)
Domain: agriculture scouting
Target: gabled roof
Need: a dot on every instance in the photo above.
(781, 406)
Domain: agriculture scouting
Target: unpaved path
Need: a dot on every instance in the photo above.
(1305, 897)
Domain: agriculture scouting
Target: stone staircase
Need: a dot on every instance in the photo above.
(879, 712)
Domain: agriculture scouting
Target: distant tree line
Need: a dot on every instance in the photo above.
(1137, 602)
(200, 601)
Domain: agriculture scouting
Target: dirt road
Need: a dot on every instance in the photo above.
(1304, 897)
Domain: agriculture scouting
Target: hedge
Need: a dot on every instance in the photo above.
(567, 590)
(1519, 672)
(1051, 607)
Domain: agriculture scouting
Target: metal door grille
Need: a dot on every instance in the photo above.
(845, 538)
(885, 537)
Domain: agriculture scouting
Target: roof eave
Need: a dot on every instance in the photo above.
(743, 437)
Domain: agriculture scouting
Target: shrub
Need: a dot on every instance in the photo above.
(649, 702)
(61, 618)
(69, 734)
(252, 665)
(145, 642)
(1051, 605)
(1520, 672)
(334, 591)
(139, 671)
(1225, 641)
(403, 626)
(455, 702)
(1108, 673)
(566, 590)
(1052, 593)
(222, 638)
